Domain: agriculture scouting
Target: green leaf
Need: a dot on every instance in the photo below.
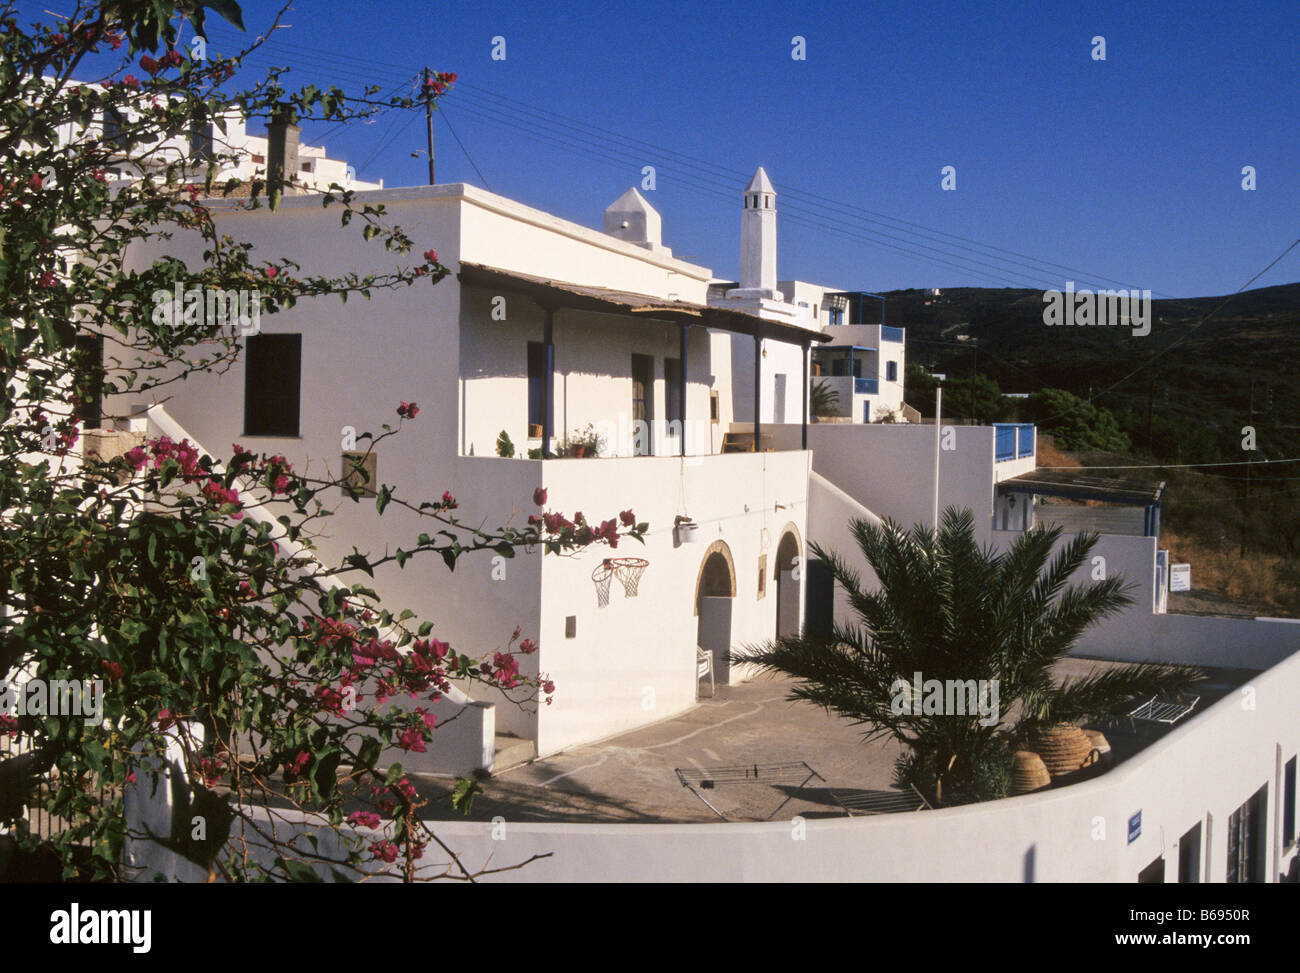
(462, 796)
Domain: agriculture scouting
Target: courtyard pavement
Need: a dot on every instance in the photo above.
(630, 778)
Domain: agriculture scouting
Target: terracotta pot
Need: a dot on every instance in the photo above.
(1028, 773)
(1064, 748)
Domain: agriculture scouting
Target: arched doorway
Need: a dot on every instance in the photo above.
(715, 590)
(788, 560)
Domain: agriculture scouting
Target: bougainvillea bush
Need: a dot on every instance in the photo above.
(188, 584)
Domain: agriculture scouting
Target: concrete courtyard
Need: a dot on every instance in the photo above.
(631, 778)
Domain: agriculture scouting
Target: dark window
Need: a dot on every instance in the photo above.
(643, 403)
(1153, 874)
(673, 394)
(891, 371)
(1288, 804)
(1189, 856)
(272, 383)
(819, 600)
(200, 140)
(536, 386)
(713, 406)
(762, 576)
(115, 133)
(839, 367)
(1247, 838)
(88, 373)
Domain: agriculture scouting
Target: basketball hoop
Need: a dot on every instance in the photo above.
(601, 577)
(628, 570)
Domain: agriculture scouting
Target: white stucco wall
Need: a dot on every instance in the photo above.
(889, 468)
(633, 662)
(1200, 773)
(782, 359)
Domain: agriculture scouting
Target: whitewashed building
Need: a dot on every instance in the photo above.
(545, 328)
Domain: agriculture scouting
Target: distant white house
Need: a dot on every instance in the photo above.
(246, 156)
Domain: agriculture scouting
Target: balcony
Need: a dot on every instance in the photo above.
(866, 386)
(1012, 440)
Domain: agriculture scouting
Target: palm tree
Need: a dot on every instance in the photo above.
(950, 610)
(823, 400)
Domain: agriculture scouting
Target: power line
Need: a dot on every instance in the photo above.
(702, 167)
(1187, 334)
(1175, 466)
(443, 112)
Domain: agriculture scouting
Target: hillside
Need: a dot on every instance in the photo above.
(1188, 406)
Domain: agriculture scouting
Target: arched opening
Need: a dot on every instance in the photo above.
(715, 588)
(787, 574)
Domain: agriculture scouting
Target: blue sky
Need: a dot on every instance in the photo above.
(1128, 168)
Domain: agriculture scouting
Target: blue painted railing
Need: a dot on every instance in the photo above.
(1025, 440)
(1004, 443)
(891, 334)
(1012, 440)
(866, 386)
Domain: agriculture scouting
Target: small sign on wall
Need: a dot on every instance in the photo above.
(1134, 827)
(1180, 577)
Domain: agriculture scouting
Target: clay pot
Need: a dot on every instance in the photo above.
(1028, 773)
(1064, 749)
(1101, 748)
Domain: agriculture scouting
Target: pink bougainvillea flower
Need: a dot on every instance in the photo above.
(539, 496)
(411, 739)
(150, 65)
(448, 500)
(365, 819)
(130, 81)
(431, 256)
(113, 670)
(36, 182)
(271, 272)
(385, 851)
(166, 719)
(527, 646)
(628, 518)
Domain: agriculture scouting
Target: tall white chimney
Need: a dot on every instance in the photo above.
(758, 240)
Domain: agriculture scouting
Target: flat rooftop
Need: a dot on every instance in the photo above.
(631, 778)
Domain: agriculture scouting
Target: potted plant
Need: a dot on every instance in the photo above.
(688, 531)
(584, 443)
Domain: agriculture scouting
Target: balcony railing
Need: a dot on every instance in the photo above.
(866, 386)
(891, 334)
(1012, 440)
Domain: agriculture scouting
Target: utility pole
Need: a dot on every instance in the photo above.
(1151, 391)
(428, 117)
(1250, 459)
(938, 431)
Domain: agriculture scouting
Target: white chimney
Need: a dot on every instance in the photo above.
(632, 219)
(758, 240)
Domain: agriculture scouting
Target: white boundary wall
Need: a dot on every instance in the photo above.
(1200, 773)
